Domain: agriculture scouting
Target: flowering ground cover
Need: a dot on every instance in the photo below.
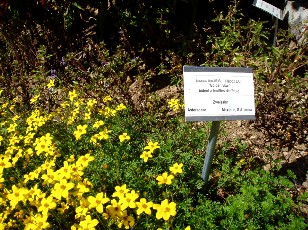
(53, 168)
(91, 164)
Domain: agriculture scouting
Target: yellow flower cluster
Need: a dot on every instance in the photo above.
(35, 120)
(167, 179)
(175, 104)
(50, 183)
(148, 150)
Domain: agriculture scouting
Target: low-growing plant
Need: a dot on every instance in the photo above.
(92, 164)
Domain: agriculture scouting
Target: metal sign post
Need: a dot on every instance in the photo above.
(210, 151)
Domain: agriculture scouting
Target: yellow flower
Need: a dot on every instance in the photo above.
(44, 144)
(114, 209)
(144, 206)
(152, 146)
(76, 170)
(124, 137)
(187, 228)
(107, 98)
(146, 155)
(82, 210)
(108, 112)
(165, 210)
(165, 179)
(87, 116)
(12, 127)
(46, 204)
(104, 134)
(16, 195)
(61, 189)
(51, 83)
(94, 139)
(175, 104)
(72, 95)
(88, 223)
(16, 117)
(4, 163)
(49, 177)
(128, 200)
(176, 168)
(126, 220)
(120, 191)
(121, 107)
(81, 129)
(81, 189)
(98, 124)
(97, 202)
(84, 160)
(91, 102)
(37, 222)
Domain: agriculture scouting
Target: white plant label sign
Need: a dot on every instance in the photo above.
(276, 12)
(218, 93)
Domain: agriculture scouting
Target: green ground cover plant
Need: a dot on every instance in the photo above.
(92, 164)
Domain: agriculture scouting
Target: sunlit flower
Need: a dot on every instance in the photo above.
(47, 204)
(165, 179)
(175, 104)
(5, 163)
(81, 129)
(49, 177)
(72, 95)
(81, 189)
(88, 223)
(152, 146)
(12, 127)
(98, 124)
(38, 222)
(94, 138)
(176, 168)
(124, 137)
(82, 210)
(128, 200)
(144, 206)
(120, 107)
(98, 201)
(87, 116)
(34, 99)
(120, 191)
(91, 102)
(61, 189)
(16, 195)
(165, 210)
(51, 83)
(126, 220)
(104, 134)
(107, 98)
(146, 155)
(84, 160)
